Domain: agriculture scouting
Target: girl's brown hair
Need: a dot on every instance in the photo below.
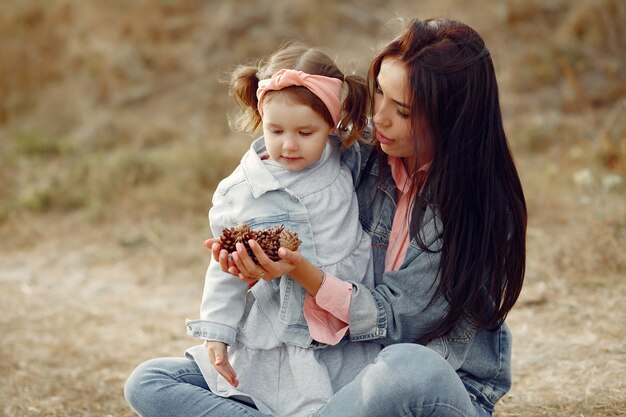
(244, 82)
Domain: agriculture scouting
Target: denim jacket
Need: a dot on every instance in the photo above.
(397, 309)
(319, 204)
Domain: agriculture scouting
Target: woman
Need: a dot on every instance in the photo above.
(441, 198)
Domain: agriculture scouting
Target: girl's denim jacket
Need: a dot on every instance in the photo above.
(252, 195)
(397, 310)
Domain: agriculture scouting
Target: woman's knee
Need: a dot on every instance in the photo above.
(414, 367)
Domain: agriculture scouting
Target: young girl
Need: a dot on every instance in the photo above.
(293, 177)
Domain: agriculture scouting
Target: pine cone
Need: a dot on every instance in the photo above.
(237, 234)
(270, 239)
(289, 239)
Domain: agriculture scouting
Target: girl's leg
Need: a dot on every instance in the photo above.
(167, 387)
(405, 380)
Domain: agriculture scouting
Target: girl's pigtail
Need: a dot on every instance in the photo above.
(244, 82)
(355, 110)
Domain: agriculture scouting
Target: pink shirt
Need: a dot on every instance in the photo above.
(328, 313)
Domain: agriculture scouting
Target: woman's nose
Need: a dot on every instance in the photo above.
(380, 117)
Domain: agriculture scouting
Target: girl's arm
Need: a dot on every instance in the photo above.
(218, 356)
(223, 298)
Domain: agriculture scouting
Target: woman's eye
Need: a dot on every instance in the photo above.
(403, 114)
(377, 90)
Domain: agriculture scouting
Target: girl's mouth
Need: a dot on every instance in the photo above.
(290, 158)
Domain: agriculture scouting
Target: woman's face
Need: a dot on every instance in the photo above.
(392, 116)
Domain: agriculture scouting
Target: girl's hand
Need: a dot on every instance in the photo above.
(266, 268)
(218, 355)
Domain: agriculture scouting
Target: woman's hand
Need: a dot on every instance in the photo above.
(225, 261)
(219, 254)
(266, 268)
(218, 355)
(241, 265)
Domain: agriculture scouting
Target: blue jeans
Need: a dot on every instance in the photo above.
(405, 380)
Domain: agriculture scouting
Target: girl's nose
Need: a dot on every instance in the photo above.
(290, 143)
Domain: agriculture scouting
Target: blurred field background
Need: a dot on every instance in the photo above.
(114, 131)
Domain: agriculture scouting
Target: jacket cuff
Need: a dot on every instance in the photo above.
(207, 330)
(367, 315)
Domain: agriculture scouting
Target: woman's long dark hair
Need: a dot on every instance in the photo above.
(472, 182)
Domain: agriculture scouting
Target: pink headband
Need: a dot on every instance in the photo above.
(328, 89)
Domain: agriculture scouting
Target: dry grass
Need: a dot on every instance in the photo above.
(113, 133)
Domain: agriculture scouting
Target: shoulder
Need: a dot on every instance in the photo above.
(231, 194)
(357, 157)
(231, 182)
(431, 229)
(366, 145)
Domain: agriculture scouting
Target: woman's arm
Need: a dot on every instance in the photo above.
(291, 262)
(398, 309)
(328, 313)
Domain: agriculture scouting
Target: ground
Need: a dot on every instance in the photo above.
(113, 133)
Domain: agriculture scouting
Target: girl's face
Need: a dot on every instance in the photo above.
(295, 135)
(392, 116)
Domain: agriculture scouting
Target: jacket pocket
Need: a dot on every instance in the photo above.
(289, 294)
(455, 346)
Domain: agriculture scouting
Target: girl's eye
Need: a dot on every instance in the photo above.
(276, 131)
(306, 133)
